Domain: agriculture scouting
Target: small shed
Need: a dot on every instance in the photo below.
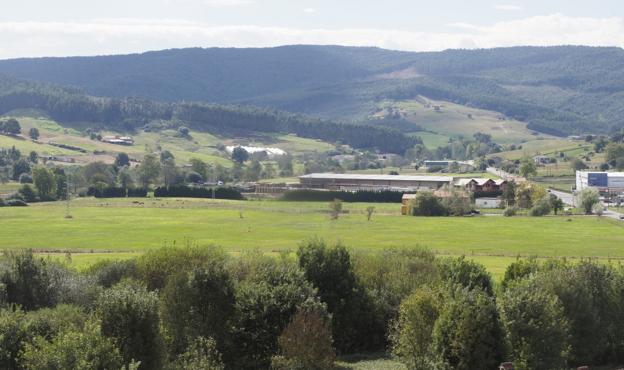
(405, 202)
(488, 202)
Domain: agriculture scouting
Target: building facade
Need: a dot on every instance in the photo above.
(605, 182)
(352, 182)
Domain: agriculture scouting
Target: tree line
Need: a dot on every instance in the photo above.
(129, 114)
(199, 308)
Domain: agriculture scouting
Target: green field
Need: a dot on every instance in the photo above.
(122, 226)
(454, 120)
(548, 147)
(201, 145)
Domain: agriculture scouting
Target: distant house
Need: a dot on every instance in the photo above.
(478, 185)
(118, 140)
(353, 182)
(448, 164)
(541, 160)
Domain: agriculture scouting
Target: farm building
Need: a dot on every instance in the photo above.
(448, 164)
(119, 140)
(606, 182)
(333, 181)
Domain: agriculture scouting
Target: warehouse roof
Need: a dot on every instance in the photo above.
(341, 176)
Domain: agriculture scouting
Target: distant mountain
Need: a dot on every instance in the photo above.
(557, 90)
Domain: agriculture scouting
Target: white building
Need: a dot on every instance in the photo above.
(488, 202)
(607, 182)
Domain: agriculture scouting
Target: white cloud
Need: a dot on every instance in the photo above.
(309, 10)
(507, 7)
(114, 36)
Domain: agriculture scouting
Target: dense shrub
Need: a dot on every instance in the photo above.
(199, 303)
(108, 273)
(466, 273)
(155, 267)
(137, 192)
(329, 269)
(306, 343)
(345, 196)
(510, 211)
(25, 179)
(182, 191)
(542, 208)
(28, 194)
(72, 350)
(468, 335)
(412, 332)
(391, 276)
(592, 296)
(27, 281)
(202, 354)
(129, 316)
(536, 327)
(427, 204)
(266, 299)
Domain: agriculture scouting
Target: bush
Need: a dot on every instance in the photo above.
(181, 191)
(108, 273)
(16, 203)
(306, 343)
(346, 196)
(27, 281)
(202, 354)
(413, 331)
(156, 267)
(28, 194)
(137, 192)
(542, 208)
(588, 198)
(25, 179)
(268, 296)
(353, 322)
(466, 273)
(129, 316)
(536, 327)
(427, 204)
(510, 211)
(468, 334)
(199, 303)
(72, 350)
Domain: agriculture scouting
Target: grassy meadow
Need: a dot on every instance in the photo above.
(122, 228)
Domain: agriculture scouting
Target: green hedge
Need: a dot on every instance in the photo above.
(183, 191)
(367, 196)
(115, 192)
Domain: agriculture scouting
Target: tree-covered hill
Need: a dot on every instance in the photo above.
(72, 107)
(558, 90)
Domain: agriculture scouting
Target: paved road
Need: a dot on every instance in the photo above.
(569, 200)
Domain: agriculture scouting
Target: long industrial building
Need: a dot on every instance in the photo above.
(605, 182)
(332, 181)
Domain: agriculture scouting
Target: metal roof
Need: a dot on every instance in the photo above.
(343, 176)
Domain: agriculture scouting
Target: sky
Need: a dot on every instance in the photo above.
(35, 28)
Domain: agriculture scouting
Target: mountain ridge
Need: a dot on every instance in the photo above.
(557, 90)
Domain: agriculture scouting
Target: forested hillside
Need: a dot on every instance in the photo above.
(557, 90)
(71, 107)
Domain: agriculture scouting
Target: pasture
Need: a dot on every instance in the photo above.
(121, 228)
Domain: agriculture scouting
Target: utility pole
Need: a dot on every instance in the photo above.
(67, 197)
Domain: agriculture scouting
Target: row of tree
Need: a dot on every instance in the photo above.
(197, 308)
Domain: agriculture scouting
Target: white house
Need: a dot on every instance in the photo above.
(488, 202)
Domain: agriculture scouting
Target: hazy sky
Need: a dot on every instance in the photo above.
(91, 27)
